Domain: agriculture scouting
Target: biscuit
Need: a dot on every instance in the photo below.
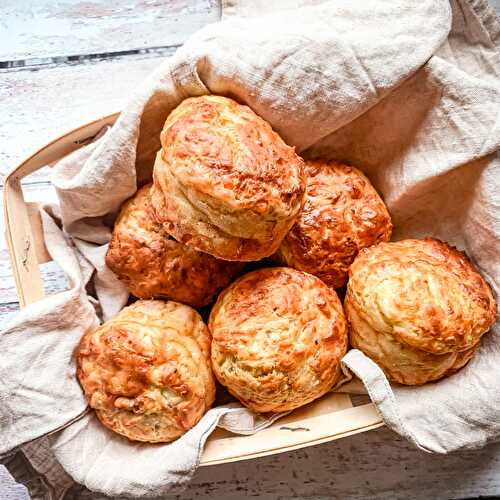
(224, 182)
(153, 265)
(342, 214)
(147, 371)
(278, 336)
(418, 308)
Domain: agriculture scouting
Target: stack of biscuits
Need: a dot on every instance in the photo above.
(226, 191)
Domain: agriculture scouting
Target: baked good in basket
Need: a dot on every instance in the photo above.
(153, 265)
(278, 336)
(342, 214)
(224, 182)
(418, 308)
(147, 371)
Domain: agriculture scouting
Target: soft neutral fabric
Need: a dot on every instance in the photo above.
(37, 372)
(384, 85)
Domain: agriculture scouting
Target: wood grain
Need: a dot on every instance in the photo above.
(53, 277)
(38, 106)
(37, 30)
(374, 465)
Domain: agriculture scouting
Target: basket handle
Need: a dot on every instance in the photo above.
(18, 230)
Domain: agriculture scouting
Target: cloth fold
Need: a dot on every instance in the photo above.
(385, 86)
(111, 464)
(37, 374)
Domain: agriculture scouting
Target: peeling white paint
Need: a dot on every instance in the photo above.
(36, 106)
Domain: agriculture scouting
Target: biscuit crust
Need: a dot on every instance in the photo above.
(342, 214)
(278, 336)
(147, 371)
(153, 265)
(224, 182)
(418, 308)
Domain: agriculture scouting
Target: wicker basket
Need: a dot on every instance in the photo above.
(326, 419)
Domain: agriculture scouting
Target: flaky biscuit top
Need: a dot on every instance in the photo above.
(278, 337)
(418, 308)
(426, 293)
(146, 372)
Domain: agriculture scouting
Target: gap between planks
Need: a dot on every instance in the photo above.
(349, 468)
(38, 63)
(39, 30)
(39, 106)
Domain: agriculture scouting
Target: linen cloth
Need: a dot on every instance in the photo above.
(407, 91)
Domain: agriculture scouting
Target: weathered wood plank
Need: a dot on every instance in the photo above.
(54, 280)
(53, 277)
(377, 464)
(38, 106)
(373, 465)
(40, 29)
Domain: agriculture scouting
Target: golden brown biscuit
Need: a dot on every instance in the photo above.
(278, 336)
(418, 308)
(153, 265)
(342, 214)
(224, 182)
(147, 371)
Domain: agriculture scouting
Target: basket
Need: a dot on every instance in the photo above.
(332, 417)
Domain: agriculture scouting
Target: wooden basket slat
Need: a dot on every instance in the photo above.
(21, 243)
(41, 252)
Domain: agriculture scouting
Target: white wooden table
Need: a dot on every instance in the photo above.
(66, 62)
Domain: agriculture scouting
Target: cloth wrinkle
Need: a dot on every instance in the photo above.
(385, 86)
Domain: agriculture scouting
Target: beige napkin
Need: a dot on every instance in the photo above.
(384, 85)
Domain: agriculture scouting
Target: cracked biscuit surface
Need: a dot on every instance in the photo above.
(147, 371)
(418, 308)
(278, 336)
(153, 265)
(342, 214)
(224, 182)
